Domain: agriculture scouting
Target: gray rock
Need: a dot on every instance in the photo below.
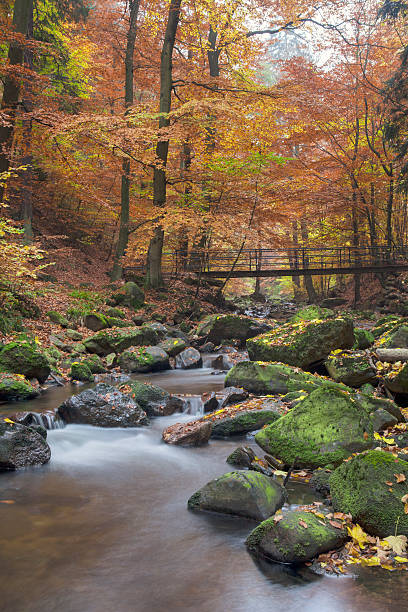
(188, 359)
(21, 446)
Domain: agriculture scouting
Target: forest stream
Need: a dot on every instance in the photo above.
(105, 527)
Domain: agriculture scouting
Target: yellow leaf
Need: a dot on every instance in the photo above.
(358, 535)
(397, 543)
(401, 559)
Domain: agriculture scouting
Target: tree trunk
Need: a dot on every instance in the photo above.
(356, 244)
(390, 205)
(27, 178)
(311, 293)
(154, 273)
(12, 87)
(123, 237)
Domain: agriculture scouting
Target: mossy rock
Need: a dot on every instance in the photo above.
(312, 313)
(372, 404)
(53, 355)
(130, 295)
(381, 328)
(351, 368)
(58, 318)
(81, 372)
(302, 344)
(96, 321)
(116, 341)
(116, 313)
(319, 481)
(243, 423)
(263, 378)
(396, 380)
(72, 334)
(394, 338)
(363, 339)
(24, 358)
(173, 346)
(359, 487)
(218, 328)
(248, 494)
(95, 364)
(289, 541)
(154, 400)
(144, 359)
(116, 322)
(323, 429)
(78, 348)
(14, 387)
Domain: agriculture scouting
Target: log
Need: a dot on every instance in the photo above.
(392, 355)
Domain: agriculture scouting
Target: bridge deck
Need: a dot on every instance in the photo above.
(265, 263)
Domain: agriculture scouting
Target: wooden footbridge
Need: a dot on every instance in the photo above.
(224, 263)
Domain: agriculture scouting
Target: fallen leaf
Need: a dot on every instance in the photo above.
(277, 518)
(400, 477)
(401, 559)
(336, 524)
(7, 501)
(404, 498)
(303, 524)
(397, 543)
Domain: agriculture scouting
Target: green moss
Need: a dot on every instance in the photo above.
(57, 318)
(24, 358)
(363, 339)
(350, 368)
(15, 387)
(311, 313)
(360, 487)
(81, 372)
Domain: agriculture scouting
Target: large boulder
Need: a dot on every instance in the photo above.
(396, 337)
(351, 368)
(363, 339)
(323, 429)
(189, 359)
(219, 328)
(248, 494)
(298, 537)
(271, 378)
(116, 341)
(14, 387)
(196, 433)
(24, 358)
(243, 422)
(96, 321)
(95, 364)
(130, 295)
(396, 380)
(144, 359)
(302, 344)
(371, 487)
(103, 406)
(154, 400)
(81, 371)
(21, 446)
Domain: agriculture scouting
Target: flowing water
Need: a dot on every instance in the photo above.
(104, 527)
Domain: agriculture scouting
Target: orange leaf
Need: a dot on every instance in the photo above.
(336, 524)
(400, 477)
(303, 524)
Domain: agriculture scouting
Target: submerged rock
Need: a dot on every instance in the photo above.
(248, 494)
(196, 433)
(24, 358)
(21, 446)
(322, 429)
(361, 487)
(189, 359)
(14, 387)
(103, 406)
(144, 359)
(298, 537)
(302, 344)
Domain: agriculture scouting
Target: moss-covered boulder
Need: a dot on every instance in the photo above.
(384, 326)
(218, 328)
(21, 446)
(95, 364)
(58, 318)
(351, 368)
(81, 371)
(116, 313)
(319, 481)
(130, 295)
(53, 356)
(362, 488)
(323, 429)
(363, 339)
(72, 334)
(312, 313)
(396, 337)
(243, 422)
(302, 344)
(96, 321)
(271, 378)
(396, 380)
(173, 346)
(154, 400)
(14, 387)
(24, 358)
(249, 494)
(116, 341)
(298, 537)
(115, 322)
(144, 359)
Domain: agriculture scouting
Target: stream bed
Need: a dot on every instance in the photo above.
(104, 527)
